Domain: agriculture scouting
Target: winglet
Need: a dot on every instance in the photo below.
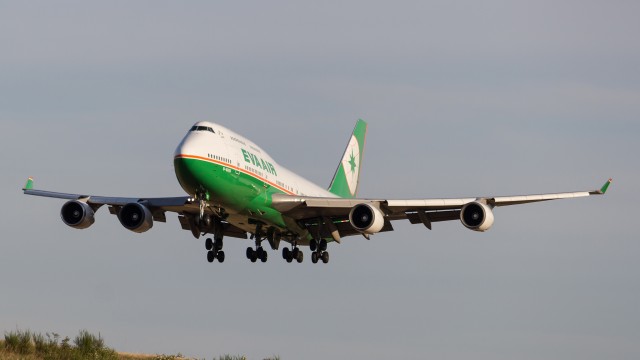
(29, 184)
(602, 190)
(604, 187)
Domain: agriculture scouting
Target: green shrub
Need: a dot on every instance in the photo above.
(18, 341)
(42, 345)
(88, 343)
(167, 357)
(232, 357)
(88, 346)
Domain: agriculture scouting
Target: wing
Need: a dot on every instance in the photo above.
(318, 213)
(186, 207)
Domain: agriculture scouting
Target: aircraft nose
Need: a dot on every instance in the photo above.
(186, 147)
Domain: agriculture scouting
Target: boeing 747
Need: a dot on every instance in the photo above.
(236, 190)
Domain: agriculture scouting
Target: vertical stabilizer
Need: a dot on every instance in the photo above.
(345, 180)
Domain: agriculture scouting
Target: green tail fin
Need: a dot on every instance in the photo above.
(345, 180)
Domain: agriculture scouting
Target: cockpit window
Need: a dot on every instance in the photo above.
(202, 128)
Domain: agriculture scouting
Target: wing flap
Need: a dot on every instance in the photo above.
(433, 216)
(343, 226)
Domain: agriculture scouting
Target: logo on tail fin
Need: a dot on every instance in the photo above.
(351, 164)
(345, 179)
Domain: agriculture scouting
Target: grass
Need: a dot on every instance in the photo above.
(27, 345)
(24, 344)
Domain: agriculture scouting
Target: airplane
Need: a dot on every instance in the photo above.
(236, 190)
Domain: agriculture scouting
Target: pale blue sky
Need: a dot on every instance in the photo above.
(463, 98)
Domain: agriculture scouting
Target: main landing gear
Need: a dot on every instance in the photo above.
(214, 248)
(259, 252)
(296, 254)
(319, 251)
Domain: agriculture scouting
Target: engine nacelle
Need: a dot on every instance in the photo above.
(77, 214)
(366, 218)
(136, 217)
(476, 216)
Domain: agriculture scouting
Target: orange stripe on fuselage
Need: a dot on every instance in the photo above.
(185, 156)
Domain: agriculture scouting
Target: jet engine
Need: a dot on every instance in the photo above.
(77, 214)
(136, 217)
(366, 218)
(476, 216)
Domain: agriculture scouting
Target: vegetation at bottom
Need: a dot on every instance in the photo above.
(27, 345)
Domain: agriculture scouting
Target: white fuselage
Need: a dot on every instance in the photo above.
(242, 155)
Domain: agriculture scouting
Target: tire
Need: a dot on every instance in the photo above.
(323, 245)
(325, 257)
(220, 256)
(249, 253)
(210, 256)
(300, 257)
(314, 257)
(286, 253)
(313, 244)
(295, 252)
(217, 244)
(208, 244)
(264, 256)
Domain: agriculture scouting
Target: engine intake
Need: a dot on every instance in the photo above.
(136, 217)
(77, 214)
(476, 216)
(366, 218)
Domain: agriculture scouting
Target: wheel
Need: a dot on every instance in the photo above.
(208, 244)
(217, 244)
(220, 256)
(313, 244)
(323, 245)
(314, 257)
(210, 256)
(295, 253)
(264, 256)
(286, 253)
(254, 256)
(300, 256)
(259, 251)
(249, 253)
(325, 257)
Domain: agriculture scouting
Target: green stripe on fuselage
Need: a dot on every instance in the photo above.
(232, 189)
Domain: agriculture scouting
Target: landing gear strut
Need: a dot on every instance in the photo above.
(319, 251)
